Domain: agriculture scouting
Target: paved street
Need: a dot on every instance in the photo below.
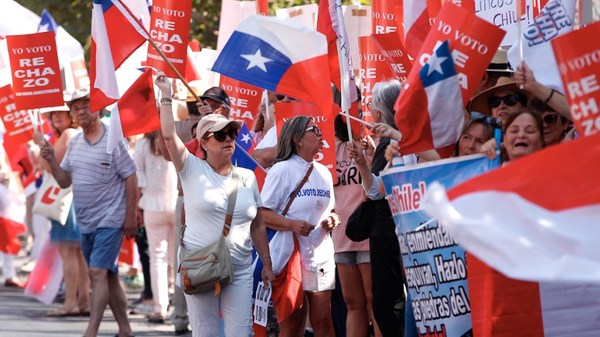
(21, 316)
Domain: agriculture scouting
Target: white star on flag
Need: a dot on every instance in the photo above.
(44, 28)
(435, 64)
(245, 138)
(256, 60)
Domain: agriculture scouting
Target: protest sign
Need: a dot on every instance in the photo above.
(326, 155)
(436, 273)
(579, 65)
(395, 54)
(503, 14)
(372, 70)
(35, 71)
(384, 16)
(18, 123)
(473, 42)
(169, 28)
(245, 99)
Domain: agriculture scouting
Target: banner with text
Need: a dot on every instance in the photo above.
(245, 99)
(395, 54)
(579, 65)
(37, 82)
(473, 42)
(384, 16)
(18, 124)
(436, 273)
(169, 28)
(503, 14)
(326, 155)
(373, 68)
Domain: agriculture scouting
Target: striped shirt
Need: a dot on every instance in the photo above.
(98, 181)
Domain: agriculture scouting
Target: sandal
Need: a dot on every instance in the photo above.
(64, 313)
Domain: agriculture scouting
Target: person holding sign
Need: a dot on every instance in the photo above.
(302, 190)
(104, 195)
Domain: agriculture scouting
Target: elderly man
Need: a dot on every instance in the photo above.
(104, 195)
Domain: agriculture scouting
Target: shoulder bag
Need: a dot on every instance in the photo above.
(52, 201)
(208, 268)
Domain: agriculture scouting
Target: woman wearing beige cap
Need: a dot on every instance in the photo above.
(206, 183)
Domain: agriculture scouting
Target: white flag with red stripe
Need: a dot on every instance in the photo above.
(416, 25)
(535, 219)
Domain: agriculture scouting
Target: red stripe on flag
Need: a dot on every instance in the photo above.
(137, 107)
(325, 26)
(288, 295)
(501, 306)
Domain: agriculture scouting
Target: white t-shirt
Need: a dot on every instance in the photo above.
(269, 140)
(156, 177)
(206, 195)
(313, 204)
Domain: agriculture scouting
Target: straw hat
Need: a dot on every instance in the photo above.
(479, 103)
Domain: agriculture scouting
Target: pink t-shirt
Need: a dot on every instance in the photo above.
(348, 195)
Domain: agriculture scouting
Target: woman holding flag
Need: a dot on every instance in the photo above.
(205, 183)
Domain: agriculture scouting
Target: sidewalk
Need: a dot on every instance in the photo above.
(21, 316)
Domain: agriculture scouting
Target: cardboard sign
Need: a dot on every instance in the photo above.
(384, 16)
(169, 28)
(289, 110)
(579, 65)
(18, 123)
(35, 71)
(504, 15)
(473, 42)
(245, 99)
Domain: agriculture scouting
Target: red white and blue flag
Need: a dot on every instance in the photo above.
(280, 56)
(115, 36)
(244, 146)
(429, 111)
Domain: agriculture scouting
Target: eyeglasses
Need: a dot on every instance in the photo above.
(510, 100)
(550, 119)
(314, 129)
(221, 135)
(281, 97)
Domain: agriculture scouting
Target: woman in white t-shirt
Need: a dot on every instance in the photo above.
(310, 217)
(205, 184)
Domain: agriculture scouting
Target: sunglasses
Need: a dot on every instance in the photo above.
(314, 129)
(221, 135)
(550, 119)
(510, 100)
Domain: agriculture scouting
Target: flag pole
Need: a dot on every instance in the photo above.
(249, 156)
(347, 115)
(519, 10)
(177, 73)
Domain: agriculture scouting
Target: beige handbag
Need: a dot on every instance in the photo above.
(208, 268)
(52, 201)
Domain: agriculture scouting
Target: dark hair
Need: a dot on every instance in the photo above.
(341, 129)
(537, 105)
(192, 108)
(290, 133)
(153, 141)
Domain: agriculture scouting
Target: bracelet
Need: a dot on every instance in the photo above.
(166, 100)
(552, 91)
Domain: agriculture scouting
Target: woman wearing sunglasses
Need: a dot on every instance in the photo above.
(206, 184)
(556, 126)
(499, 101)
(309, 217)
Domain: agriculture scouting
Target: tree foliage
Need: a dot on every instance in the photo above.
(75, 16)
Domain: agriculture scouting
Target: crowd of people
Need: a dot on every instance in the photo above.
(175, 184)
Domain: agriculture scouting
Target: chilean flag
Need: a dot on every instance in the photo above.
(280, 56)
(115, 36)
(241, 157)
(135, 113)
(429, 111)
(535, 219)
(416, 25)
(12, 220)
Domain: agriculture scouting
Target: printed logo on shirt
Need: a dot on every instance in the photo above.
(313, 192)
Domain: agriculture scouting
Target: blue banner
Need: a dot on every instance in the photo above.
(436, 274)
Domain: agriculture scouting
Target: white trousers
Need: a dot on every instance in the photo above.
(161, 249)
(8, 266)
(234, 303)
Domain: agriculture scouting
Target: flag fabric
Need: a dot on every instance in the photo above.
(555, 19)
(135, 113)
(429, 110)
(12, 220)
(191, 71)
(47, 23)
(531, 220)
(115, 36)
(416, 25)
(281, 56)
(331, 23)
(44, 281)
(241, 157)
